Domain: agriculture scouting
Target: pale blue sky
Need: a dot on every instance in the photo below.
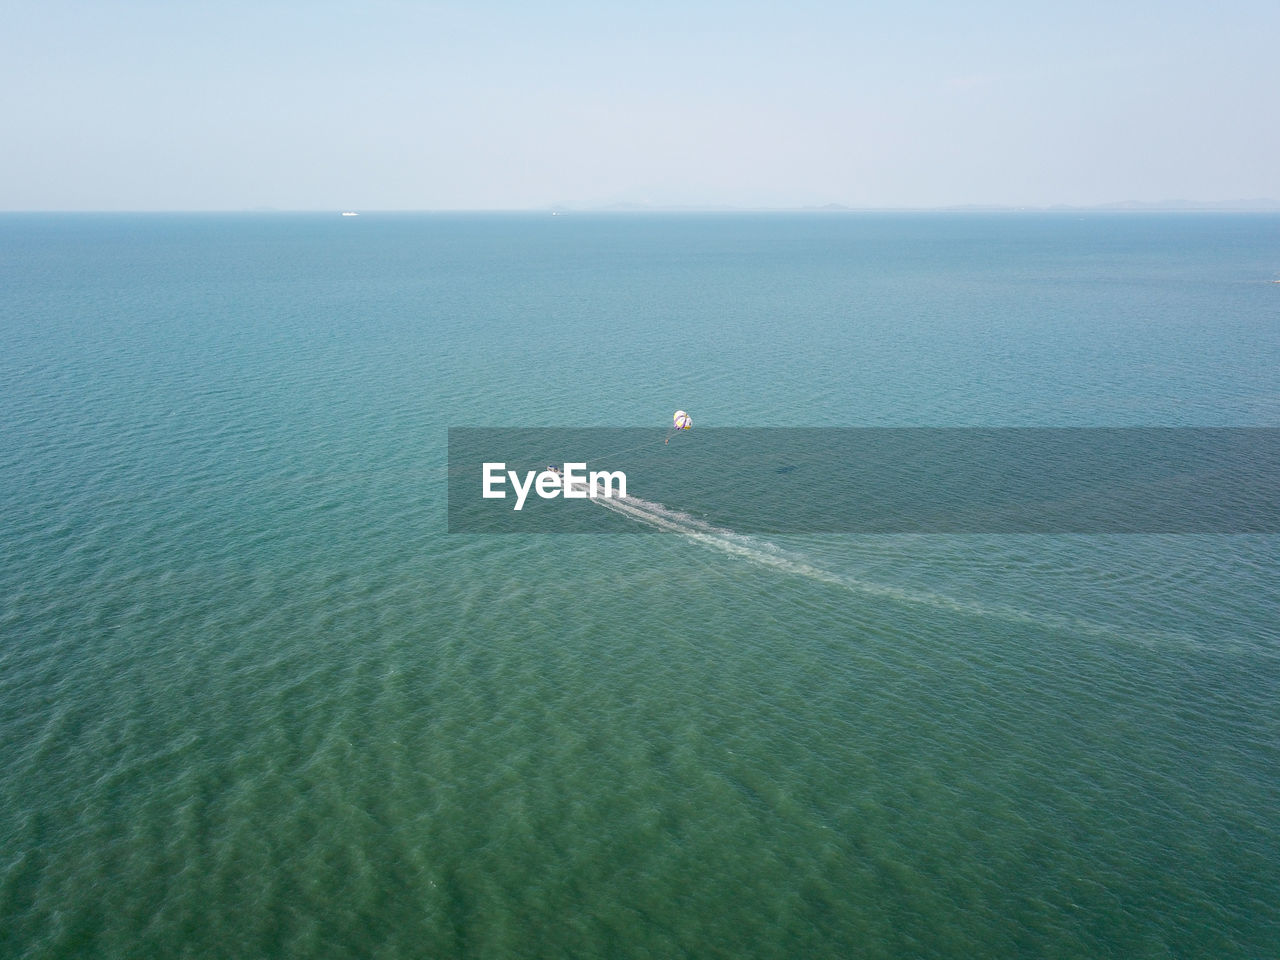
(398, 105)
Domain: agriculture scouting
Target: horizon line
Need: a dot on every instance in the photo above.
(1252, 205)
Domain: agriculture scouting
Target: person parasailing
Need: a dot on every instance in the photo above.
(681, 421)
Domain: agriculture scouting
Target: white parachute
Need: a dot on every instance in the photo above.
(681, 421)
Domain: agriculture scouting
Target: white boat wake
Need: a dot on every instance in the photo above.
(762, 552)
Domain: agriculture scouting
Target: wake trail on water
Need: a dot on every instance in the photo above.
(764, 553)
(754, 549)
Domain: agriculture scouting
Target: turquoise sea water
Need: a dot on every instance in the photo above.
(255, 701)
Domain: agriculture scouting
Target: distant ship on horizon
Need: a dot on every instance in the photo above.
(350, 213)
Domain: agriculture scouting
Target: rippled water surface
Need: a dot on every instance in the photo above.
(255, 701)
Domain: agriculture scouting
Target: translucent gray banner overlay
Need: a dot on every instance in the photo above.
(878, 480)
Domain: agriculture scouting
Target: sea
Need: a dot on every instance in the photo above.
(256, 700)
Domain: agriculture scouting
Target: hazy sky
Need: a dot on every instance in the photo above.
(392, 104)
